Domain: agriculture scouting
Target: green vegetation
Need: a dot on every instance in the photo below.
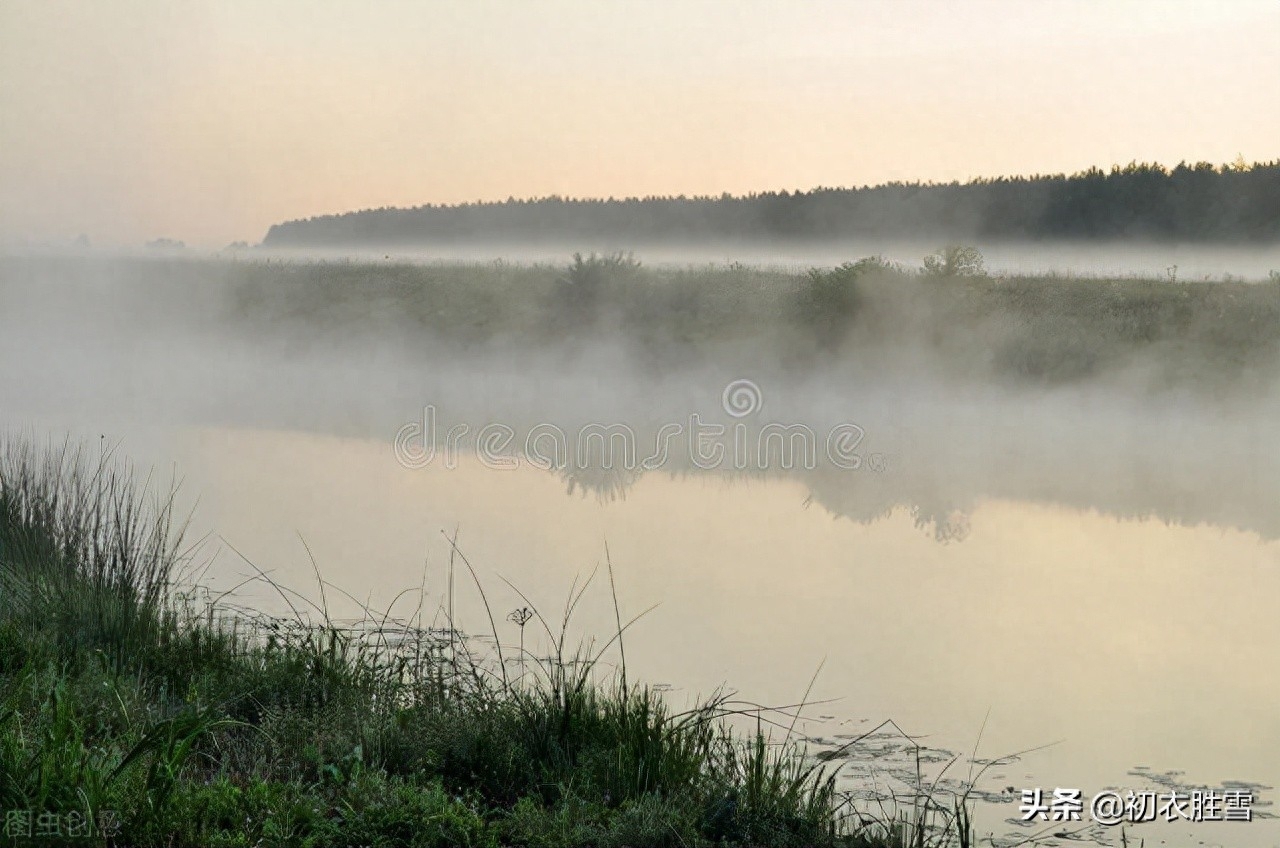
(955, 260)
(944, 321)
(199, 726)
(828, 300)
(949, 319)
(1237, 202)
(589, 281)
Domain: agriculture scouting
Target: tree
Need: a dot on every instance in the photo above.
(828, 300)
(955, 260)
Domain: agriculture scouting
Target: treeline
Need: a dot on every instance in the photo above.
(1199, 202)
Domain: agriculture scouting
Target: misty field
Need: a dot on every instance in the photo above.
(861, 316)
(866, 317)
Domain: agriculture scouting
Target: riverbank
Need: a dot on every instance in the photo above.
(868, 319)
(133, 713)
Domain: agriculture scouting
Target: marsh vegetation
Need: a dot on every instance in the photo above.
(192, 722)
(947, 319)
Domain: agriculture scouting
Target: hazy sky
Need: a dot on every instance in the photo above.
(208, 121)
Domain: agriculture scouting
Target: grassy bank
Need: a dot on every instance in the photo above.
(946, 318)
(131, 714)
(866, 317)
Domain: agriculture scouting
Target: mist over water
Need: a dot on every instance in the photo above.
(1092, 258)
(880, 391)
(1090, 557)
(1159, 260)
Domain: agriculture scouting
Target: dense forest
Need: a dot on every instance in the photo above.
(1201, 202)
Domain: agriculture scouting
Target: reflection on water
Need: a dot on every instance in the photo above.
(1134, 643)
(932, 449)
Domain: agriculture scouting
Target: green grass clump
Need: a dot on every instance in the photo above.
(199, 725)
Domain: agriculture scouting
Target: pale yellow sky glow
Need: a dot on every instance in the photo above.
(209, 121)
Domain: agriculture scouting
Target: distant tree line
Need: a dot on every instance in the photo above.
(1200, 202)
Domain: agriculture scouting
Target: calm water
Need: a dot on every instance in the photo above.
(1137, 649)
(1084, 572)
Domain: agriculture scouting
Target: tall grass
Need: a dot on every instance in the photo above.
(124, 688)
(84, 555)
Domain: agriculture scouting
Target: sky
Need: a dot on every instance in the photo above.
(209, 121)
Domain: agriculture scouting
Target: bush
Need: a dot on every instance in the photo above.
(828, 299)
(955, 260)
(588, 281)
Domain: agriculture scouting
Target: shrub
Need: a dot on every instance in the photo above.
(955, 260)
(588, 281)
(828, 299)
